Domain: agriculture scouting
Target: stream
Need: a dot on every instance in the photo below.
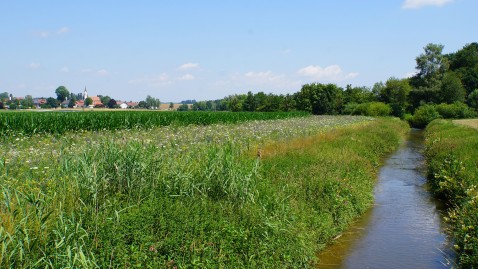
(404, 229)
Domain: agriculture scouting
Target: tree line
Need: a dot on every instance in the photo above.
(445, 85)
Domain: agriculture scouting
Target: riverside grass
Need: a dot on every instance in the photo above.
(451, 152)
(259, 194)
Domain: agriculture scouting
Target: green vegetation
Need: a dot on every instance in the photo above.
(452, 157)
(259, 194)
(28, 123)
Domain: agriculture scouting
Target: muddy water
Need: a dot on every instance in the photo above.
(404, 229)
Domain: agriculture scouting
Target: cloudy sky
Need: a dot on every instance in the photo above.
(185, 49)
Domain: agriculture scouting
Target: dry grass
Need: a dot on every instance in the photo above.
(468, 122)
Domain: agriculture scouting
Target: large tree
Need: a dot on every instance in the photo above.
(451, 89)
(151, 102)
(431, 66)
(319, 98)
(396, 93)
(62, 93)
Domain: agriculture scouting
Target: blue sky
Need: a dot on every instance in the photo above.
(184, 49)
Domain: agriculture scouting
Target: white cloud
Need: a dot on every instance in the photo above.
(46, 34)
(154, 81)
(188, 66)
(102, 72)
(65, 69)
(63, 30)
(331, 73)
(414, 4)
(264, 81)
(186, 77)
(34, 65)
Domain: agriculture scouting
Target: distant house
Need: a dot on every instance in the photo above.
(132, 104)
(96, 101)
(123, 105)
(38, 102)
(80, 103)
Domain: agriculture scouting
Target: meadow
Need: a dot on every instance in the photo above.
(255, 194)
(452, 157)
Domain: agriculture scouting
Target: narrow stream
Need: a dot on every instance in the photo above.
(404, 229)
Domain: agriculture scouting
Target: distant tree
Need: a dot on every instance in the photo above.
(358, 95)
(171, 106)
(472, 100)
(2, 106)
(183, 107)
(88, 101)
(465, 63)
(142, 104)
(13, 106)
(396, 94)
(52, 102)
(106, 100)
(111, 103)
(152, 103)
(431, 66)
(451, 89)
(72, 103)
(27, 102)
(4, 96)
(62, 93)
(319, 98)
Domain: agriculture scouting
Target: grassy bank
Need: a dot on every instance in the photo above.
(452, 158)
(258, 194)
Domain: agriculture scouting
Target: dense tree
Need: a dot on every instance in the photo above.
(320, 98)
(183, 107)
(451, 89)
(105, 100)
(152, 103)
(465, 63)
(88, 101)
(111, 103)
(431, 65)
(472, 100)
(358, 95)
(4, 96)
(2, 106)
(27, 102)
(52, 102)
(62, 93)
(396, 93)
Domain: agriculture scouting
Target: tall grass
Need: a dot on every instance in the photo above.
(188, 197)
(452, 157)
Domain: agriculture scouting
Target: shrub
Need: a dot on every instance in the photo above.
(374, 109)
(424, 115)
(455, 111)
(2, 106)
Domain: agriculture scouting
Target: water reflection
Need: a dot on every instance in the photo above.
(404, 229)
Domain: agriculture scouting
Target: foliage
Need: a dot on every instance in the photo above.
(2, 105)
(452, 156)
(88, 101)
(62, 93)
(473, 99)
(374, 109)
(424, 115)
(111, 103)
(151, 102)
(431, 66)
(29, 123)
(319, 99)
(451, 89)
(456, 110)
(187, 197)
(396, 93)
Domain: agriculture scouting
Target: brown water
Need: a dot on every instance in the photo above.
(404, 229)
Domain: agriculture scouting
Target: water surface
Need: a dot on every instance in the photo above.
(404, 229)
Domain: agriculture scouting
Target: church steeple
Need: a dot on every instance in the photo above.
(85, 94)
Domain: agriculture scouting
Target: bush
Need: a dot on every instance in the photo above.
(374, 109)
(424, 115)
(2, 106)
(455, 111)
